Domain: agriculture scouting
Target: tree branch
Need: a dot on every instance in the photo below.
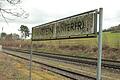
(3, 16)
(14, 2)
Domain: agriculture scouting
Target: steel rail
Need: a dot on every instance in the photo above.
(77, 57)
(75, 60)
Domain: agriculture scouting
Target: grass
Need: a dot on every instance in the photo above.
(82, 68)
(13, 68)
(111, 39)
(8, 70)
(108, 38)
(86, 47)
(76, 47)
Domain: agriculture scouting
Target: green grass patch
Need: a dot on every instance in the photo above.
(110, 39)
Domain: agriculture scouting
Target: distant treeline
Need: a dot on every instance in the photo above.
(11, 36)
(114, 29)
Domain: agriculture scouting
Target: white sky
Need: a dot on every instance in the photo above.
(42, 11)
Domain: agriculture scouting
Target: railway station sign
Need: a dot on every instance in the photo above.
(80, 25)
(76, 26)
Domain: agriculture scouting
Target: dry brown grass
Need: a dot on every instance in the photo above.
(8, 70)
(13, 68)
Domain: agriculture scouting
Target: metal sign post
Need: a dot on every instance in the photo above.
(30, 73)
(100, 44)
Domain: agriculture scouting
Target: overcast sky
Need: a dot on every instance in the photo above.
(42, 11)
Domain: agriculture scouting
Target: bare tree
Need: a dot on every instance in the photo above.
(12, 9)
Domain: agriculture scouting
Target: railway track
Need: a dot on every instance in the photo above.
(67, 73)
(75, 60)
